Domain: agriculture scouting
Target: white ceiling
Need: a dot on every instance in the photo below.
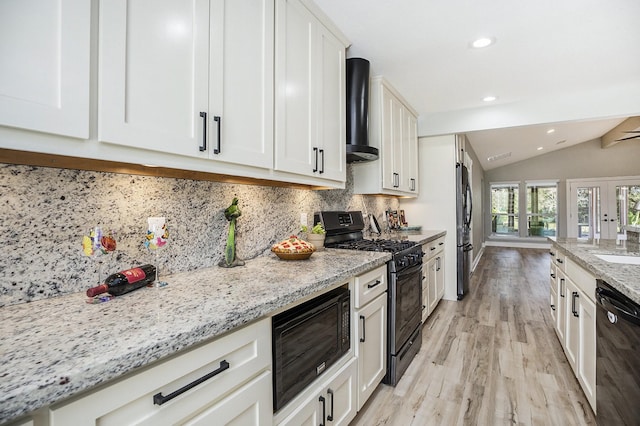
(568, 61)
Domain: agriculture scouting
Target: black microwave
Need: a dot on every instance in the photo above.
(307, 339)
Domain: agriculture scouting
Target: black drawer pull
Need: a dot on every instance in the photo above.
(552, 254)
(553, 307)
(364, 336)
(315, 169)
(159, 399)
(553, 275)
(378, 282)
(330, 416)
(321, 151)
(561, 287)
(432, 248)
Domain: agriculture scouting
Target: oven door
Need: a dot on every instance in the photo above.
(405, 305)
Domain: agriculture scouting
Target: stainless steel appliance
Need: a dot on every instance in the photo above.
(617, 360)
(404, 294)
(464, 208)
(308, 339)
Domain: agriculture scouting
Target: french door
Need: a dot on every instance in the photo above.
(601, 208)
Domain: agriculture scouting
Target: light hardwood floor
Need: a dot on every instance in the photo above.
(491, 359)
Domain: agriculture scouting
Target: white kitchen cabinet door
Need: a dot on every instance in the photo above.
(586, 370)
(44, 77)
(331, 94)
(410, 152)
(334, 403)
(391, 141)
(295, 129)
(439, 277)
(241, 84)
(572, 330)
(432, 270)
(371, 338)
(153, 75)
(309, 95)
(251, 405)
(561, 306)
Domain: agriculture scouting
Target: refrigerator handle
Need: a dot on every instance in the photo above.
(470, 201)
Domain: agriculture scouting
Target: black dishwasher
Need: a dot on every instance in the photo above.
(617, 357)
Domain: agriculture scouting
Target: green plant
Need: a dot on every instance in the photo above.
(317, 229)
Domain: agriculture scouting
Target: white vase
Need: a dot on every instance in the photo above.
(317, 240)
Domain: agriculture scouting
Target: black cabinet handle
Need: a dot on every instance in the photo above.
(440, 243)
(330, 416)
(203, 146)
(559, 260)
(553, 275)
(218, 120)
(561, 287)
(378, 282)
(553, 307)
(574, 296)
(321, 151)
(315, 150)
(364, 332)
(432, 248)
(324, 410)
(552, 254)
(396, 180)
(159, 399)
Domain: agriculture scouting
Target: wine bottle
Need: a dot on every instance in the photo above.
(125, 281)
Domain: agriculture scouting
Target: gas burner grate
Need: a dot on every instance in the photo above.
(391, 246)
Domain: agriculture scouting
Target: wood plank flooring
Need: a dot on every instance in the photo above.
(490, 359)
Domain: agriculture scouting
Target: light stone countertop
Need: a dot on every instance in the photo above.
(54, 348)
(624, 277)
(420, 237)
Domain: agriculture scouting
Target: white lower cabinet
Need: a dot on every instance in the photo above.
(432, 275)
(225, 381)
(331, 401)
(575, 320)
(370, 331)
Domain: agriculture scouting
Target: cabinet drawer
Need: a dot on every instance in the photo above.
(582, 279)
(433, 247)
(130, 400)
(369, 285)
(560, 260)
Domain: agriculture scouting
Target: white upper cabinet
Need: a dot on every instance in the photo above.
(393, 130)
(192, 78)
(310, 132)
(44, 76)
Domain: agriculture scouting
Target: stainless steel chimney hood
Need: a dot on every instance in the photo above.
(358, 149)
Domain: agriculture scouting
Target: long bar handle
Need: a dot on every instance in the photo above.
(203, 146)
(160, 399)
(561, 286)
(364, 332)
(315, 150)
(218, 120)
(574, 296)
(324, 410)
(330, 416)
(321, 151)
(378, 282)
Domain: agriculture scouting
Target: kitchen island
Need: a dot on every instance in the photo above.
(624, 277)
(55, 348)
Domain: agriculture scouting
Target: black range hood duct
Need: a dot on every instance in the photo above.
(358, 148)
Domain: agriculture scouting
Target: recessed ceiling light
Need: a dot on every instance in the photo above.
(562, 141)
(482, 42)
(489, 98)
(499, 156)
(540, 148)
(550, 131)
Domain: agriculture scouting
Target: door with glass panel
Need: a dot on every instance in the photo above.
(602, 208)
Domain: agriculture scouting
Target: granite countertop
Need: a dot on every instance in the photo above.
(624, 277)
(420, 237)
(54, 348)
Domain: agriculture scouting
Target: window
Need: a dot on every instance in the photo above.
(542, 209)
(504, 208)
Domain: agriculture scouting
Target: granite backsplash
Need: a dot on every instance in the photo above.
(44, 212)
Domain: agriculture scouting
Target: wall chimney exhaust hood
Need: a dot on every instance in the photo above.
(358, 149)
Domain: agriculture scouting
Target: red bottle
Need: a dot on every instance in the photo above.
(125, 281)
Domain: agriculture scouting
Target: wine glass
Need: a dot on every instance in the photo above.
(157, 236)
(92, 246)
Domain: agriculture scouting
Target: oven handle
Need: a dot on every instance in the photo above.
(417, 268)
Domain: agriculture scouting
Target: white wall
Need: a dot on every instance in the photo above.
(435, 207)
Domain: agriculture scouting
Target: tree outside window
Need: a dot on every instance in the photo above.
(542, 207)
(504, 209)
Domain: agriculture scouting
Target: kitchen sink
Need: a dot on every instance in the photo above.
(627, 260)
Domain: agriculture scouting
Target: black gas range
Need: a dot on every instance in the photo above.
(404, 294)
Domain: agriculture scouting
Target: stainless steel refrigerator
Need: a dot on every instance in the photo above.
(464, 208)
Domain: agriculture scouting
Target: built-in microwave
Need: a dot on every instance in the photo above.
(307, 340)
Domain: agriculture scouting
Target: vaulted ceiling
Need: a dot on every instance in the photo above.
(570, 64)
